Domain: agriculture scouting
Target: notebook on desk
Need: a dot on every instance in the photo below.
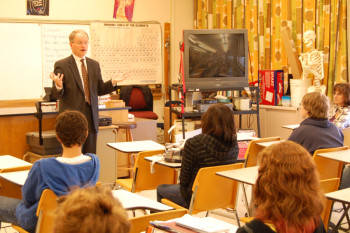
(190, 224)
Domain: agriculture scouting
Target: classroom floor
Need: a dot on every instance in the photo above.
(220, 214)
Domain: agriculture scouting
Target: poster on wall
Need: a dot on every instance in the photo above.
(123, 9)
(38, 7)
(130, 48)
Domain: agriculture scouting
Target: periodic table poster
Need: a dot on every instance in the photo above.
(132, 48)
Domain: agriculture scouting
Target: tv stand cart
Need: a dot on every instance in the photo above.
(199, 114)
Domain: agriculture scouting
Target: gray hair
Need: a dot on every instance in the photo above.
(74, 33)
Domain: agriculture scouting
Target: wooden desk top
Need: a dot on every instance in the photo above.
(245, 175)
(136, 146)
(132, 201)
(8, 161)
(292, 127)
(266, 144)
(342, 155)
(340, 195)
(18, 178)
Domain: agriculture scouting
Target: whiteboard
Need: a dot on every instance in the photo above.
(20, 61)
(28, 52)
(55, 46)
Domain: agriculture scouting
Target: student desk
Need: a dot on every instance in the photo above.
(12, 182)
(136, 146)
(10, 163)
(246, 175)
(342, 196)
(266, 144)
(12, 168)
(292, 127)
(342, 156)
(159, 159)
(132, 201)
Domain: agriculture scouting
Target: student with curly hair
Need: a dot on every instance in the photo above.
(287, 193)
(90, 210)
(58, 174)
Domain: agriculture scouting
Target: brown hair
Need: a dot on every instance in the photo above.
(90, 210)
(74, 33)
(287, 190)
(71, 128)
(218, 122)
(344, 89)
(316, 104)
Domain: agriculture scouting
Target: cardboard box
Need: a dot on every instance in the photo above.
(271, 87)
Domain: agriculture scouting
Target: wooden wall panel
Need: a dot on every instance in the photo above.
(14, 129)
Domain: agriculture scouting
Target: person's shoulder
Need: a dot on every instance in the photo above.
(196, 139)
(64, 60)
(93, 156)
(92, 61)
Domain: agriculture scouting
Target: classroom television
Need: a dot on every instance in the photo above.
(215, 59)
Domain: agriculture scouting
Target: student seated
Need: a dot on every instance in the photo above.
(340, 114)
(216, 145)
(286, 194)
(316, 131)
(57, 174)
(92, 209)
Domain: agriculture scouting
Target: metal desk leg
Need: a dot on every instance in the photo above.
(345, 214)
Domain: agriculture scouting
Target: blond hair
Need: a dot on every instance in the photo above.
(87, 210)
(316, 105)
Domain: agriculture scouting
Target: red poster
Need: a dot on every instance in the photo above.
(123, 9)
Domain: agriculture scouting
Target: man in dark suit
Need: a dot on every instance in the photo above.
(77, 83)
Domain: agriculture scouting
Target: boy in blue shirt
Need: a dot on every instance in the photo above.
(58, 174)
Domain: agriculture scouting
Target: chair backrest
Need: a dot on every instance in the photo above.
(251, 155)
(328, 168)
(46, 212)
(327, 186)
(139, 224)
(137, 97)
(144, 179)
(211, 191)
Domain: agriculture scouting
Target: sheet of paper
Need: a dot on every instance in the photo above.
(131, 200)
(189, 134)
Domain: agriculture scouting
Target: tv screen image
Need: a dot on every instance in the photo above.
(215, 59)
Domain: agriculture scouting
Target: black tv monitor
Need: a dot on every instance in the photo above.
(215, 59)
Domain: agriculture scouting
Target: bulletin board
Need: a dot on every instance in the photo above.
(30, 49)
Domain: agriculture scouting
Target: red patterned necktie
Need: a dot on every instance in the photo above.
(86, 81)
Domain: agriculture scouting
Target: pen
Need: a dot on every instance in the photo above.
(163, 227)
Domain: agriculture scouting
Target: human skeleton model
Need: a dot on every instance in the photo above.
(312, 63)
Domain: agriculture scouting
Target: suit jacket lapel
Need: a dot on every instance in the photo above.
(90, 73)
(75, 71)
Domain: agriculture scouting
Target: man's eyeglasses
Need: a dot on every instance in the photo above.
(81, 43)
